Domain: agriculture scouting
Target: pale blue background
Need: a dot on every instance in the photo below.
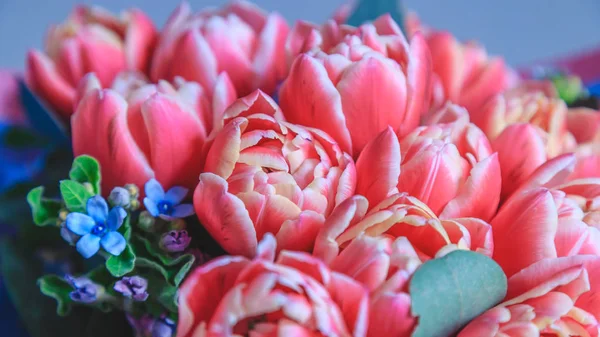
(522, 30)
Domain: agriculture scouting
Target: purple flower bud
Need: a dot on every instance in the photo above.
(163, 327)
(133, 287)
(119, 197)
(175, 241)
(86, 291)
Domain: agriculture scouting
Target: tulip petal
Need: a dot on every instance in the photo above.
(203, 289)
(520, 151)
(225, 149)
(373, 92)
(269, 59)
(224, 216)
(344, 216)
(479, 196)
(44, 79)
(390, 315)
(102, 115)
(139, 40)
(172, 155)
(378, 167)
(299, 234)
(309, 98)
(194, 60)
(366, 259)
(524, 230)
(419, 83)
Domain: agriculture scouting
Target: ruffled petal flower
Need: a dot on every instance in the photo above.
(268, 176)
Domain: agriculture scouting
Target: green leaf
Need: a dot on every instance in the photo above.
(369, 10)
(122, 264)
(59, 289)
(20, 270)
(75, 195)
(44, 211)
(168, 298)
(125, 229)
(449, 292)
(86, 169)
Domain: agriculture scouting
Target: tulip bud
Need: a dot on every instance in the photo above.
(147, 222)
(175, 241)
(119, 197)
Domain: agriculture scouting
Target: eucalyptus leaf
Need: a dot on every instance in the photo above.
(59, 289)
(122, 264)
(369, 10)
(75, 195)
(86, 169)
(448, 292)
(44, 211)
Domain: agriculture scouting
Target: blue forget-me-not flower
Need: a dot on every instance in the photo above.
(166, 205)
(98, 228)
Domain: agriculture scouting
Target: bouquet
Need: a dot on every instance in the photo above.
(233, 175)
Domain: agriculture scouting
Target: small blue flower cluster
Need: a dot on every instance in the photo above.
(99, 226)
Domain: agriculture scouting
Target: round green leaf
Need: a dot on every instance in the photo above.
(86, 169)
(449, 292)
(44, 211)
(122, 264)
(75, 195)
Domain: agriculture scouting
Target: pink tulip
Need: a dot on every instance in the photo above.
(11, 110)
(384, 267)
(448, 165)
(139, 131)
(584, 124)
(355, 82)
(91, 40)
(401, 215)
(529, 103)
(240, 39)
(263, 176)
(527, 126)
(468, 76)
(547, 218)
(294, 295)
(553, 297)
